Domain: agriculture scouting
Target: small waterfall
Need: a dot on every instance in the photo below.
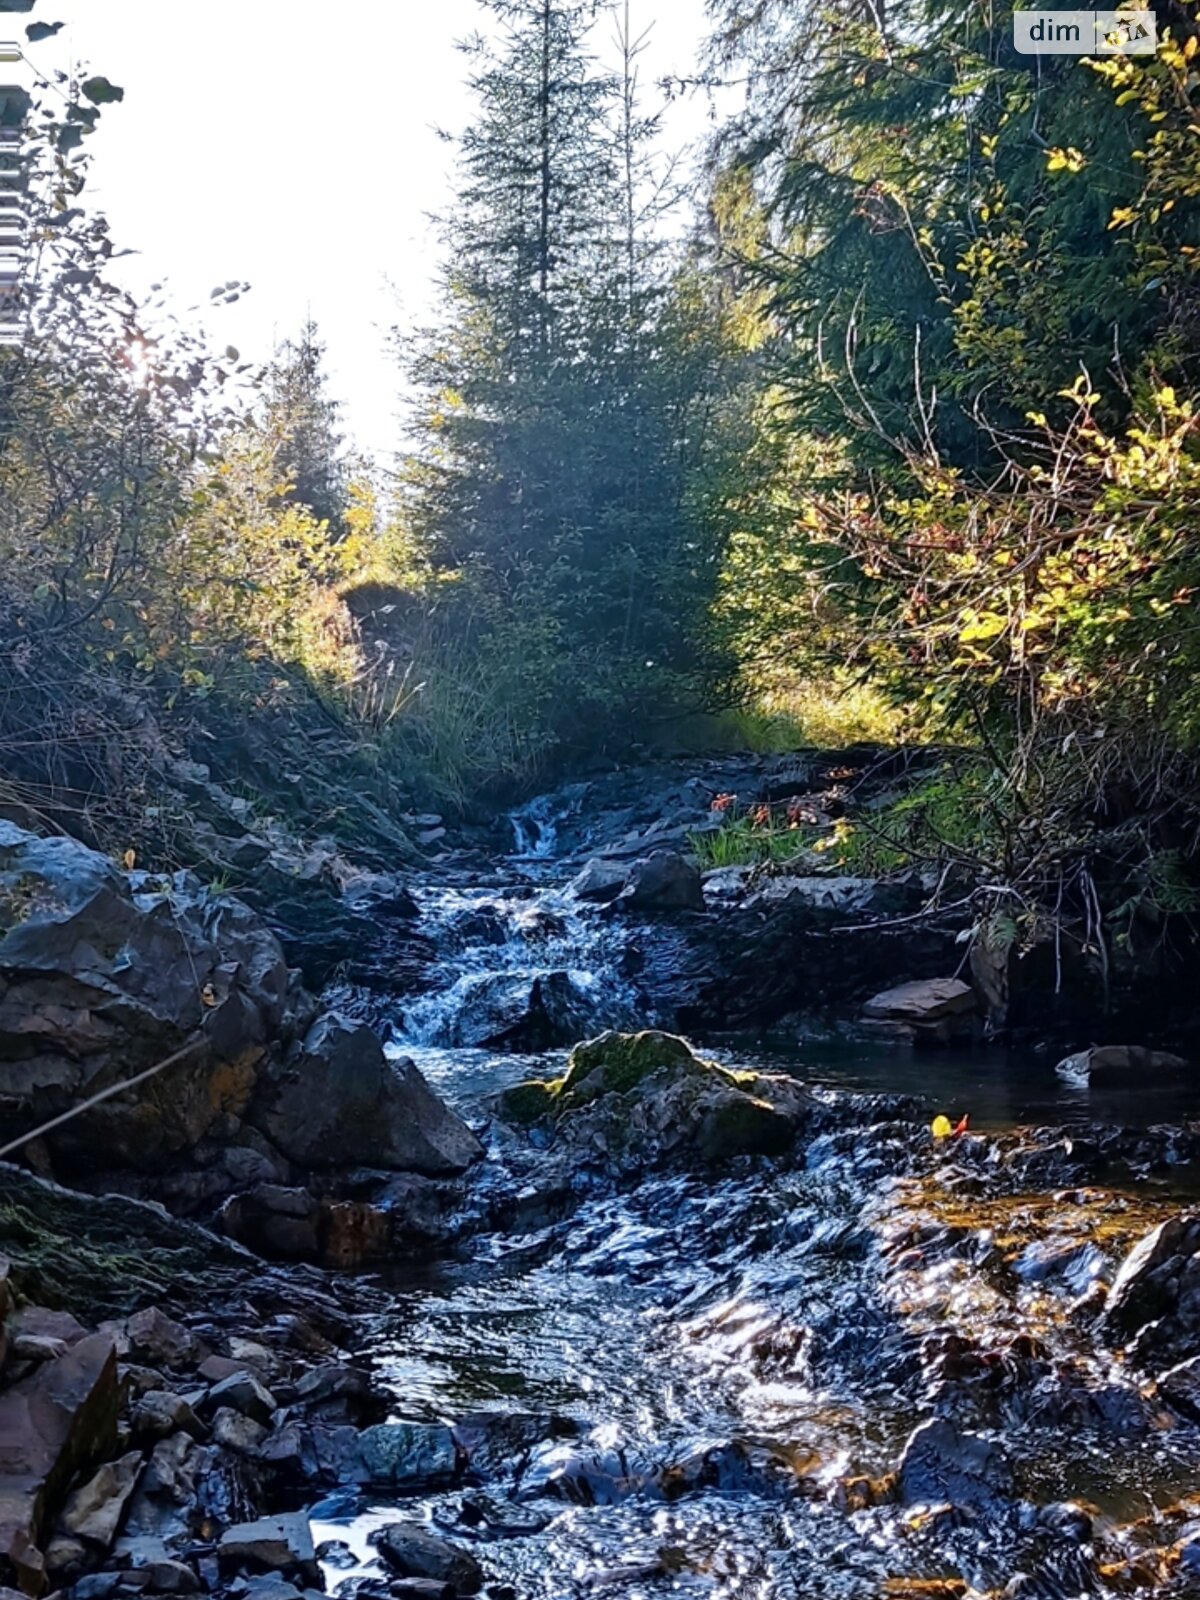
(518, 970)
(535, 829)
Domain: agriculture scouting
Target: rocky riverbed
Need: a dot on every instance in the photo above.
(445, 1302)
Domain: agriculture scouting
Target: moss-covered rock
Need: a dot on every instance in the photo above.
(643, 1098)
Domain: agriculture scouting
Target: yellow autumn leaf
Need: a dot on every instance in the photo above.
(130, 860)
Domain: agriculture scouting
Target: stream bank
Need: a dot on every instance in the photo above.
(592, 1357)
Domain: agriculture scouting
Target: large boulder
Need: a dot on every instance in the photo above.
(1156, 1293)
(1118, 1064)
(59, 1419)
(336, 1100)
(663, 881)
(640, 1098)
(103, 973)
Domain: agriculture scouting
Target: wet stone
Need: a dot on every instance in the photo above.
(409, 1454)
(412, 1551)
(272, 1544)
(243, 1393)
(944, 1464)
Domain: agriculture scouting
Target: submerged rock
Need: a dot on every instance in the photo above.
(945, 1464)
(647, 1096)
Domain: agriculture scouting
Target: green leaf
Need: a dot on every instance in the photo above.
(37, 31)
(100, 92)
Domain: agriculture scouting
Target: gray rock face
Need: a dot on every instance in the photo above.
(102, 973)
(414, 1552)
(942, 1463)
(338, 1101)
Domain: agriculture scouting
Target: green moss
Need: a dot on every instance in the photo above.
(616, 1063)
(613, 1063)
(530, 1101)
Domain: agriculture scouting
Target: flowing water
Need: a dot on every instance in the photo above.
(699, 1385)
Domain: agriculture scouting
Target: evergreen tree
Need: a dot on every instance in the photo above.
(567, 397)
(302, 426)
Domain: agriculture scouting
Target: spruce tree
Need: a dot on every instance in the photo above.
(302, 424)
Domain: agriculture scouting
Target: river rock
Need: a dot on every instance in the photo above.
(942, 1463)
(241, 1392)
(60, 1418)
(159, 1414)
(600, 882)
(927, 1010)
(514, 1011)
(639, 1098)
(1118, 1064)
(409, 1454)
(664, 881)
(272, 1544)
(337, 1100)
(95, 1509)
(1157, 1289)
(413, 1551)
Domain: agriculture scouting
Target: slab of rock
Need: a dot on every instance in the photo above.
(337, 1100)
(54, 1422)
(1118, 1064)
(273, 1544)
(945, 1464)
(95, 1509)
(410, 1549)
(600, 882)
(638, 1099)
(241, 1392)
(927, 1010)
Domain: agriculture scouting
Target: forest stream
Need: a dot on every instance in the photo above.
(877, 1365)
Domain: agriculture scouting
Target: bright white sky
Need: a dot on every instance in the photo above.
(295, 145)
